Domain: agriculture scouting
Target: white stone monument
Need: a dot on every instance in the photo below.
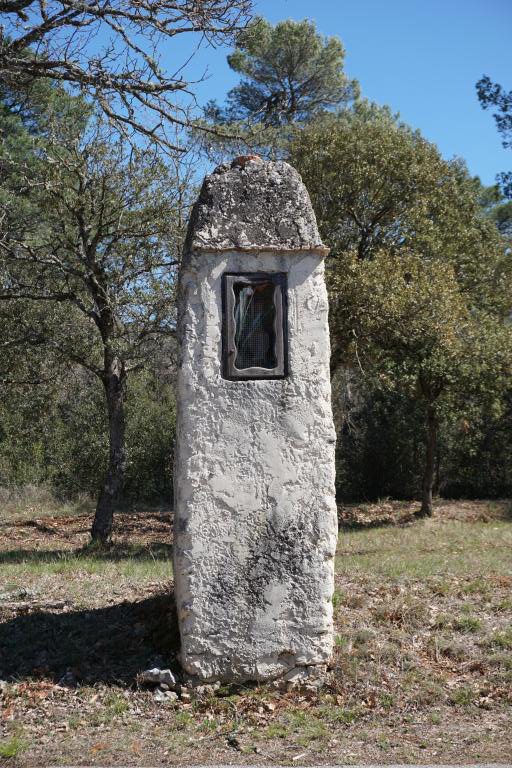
(255, 515)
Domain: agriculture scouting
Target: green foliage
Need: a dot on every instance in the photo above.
(380, 450)
(91, 226)
(150, 435)
(493, 95)
(57, 436)
(477, 457)
(377, 185)
(412, 258)
(289, 73)
(88, 252)
(418, 282)
(54, 435)
(498, 209)
(381, 445)
(12, 747)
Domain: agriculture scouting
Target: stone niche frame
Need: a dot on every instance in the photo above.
(280, 282)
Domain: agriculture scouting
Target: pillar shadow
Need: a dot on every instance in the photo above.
(108, 645)
(159, 550)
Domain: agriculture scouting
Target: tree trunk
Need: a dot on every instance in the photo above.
(114, 382)
(428, 477)
(437, 478)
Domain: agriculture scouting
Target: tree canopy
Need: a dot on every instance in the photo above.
(89, 243)
(91, 225)
(289, 72)
(494, 95)
(417, 275)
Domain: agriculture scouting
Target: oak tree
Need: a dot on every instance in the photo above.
(89, 242)
(417, 274)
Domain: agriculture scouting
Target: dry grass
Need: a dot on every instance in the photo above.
(30, 502)
(422, 670)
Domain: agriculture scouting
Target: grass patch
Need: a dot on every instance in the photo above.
(13, 746)
(423, 650)
(116, 704)
(500, 639)
(408, 612)
(463, 696)
(31, 502)
(467, 624)
(427, 551)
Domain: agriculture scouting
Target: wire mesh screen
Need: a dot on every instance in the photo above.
(254, 325)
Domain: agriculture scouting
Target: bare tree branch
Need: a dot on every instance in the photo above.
(112, 52)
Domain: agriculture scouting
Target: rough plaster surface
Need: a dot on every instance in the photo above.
(255, 515)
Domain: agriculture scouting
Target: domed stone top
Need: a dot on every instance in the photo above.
(253, 205)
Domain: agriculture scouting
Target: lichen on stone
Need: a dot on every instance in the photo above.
(253, 205)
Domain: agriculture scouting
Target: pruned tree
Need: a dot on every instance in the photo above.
(112, 53)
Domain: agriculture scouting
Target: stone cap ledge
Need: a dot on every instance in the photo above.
(321, 250)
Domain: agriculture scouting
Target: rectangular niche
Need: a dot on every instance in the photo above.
(255, 331)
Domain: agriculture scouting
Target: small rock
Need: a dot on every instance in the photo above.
(171, 696)
(159, 695)
(158, 677)
(296, 675)
(204, 691)
(68, 680)
(165, 696)
(167, 678)
(307, 678)
(17, 594)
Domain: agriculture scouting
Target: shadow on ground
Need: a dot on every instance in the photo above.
(157, 551)
(108, 645)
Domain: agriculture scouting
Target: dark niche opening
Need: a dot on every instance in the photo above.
(255, 337)
(254, 328)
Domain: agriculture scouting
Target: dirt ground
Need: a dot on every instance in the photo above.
(422, 669)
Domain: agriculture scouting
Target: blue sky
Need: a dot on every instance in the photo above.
(421, 57)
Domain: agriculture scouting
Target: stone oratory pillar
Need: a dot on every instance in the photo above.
(255, 514)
